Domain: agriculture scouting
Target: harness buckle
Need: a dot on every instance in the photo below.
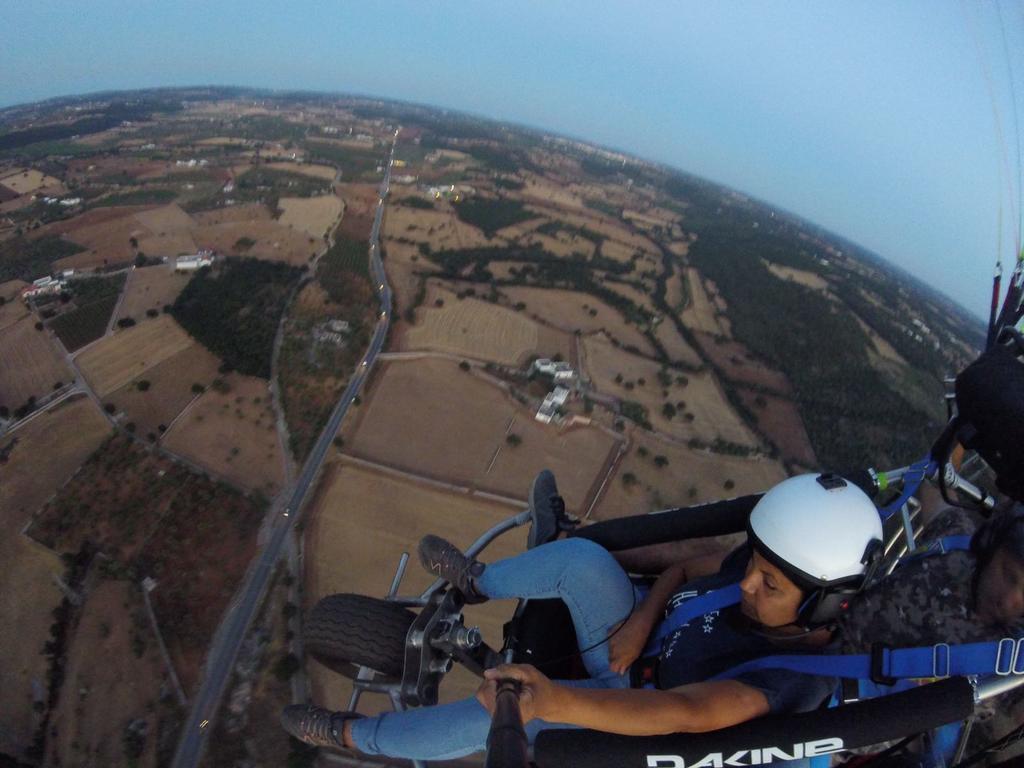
(941, 656)
(1018, 658)
(879, 663)
(1006, 657)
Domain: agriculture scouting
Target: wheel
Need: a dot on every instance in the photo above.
(344, 632)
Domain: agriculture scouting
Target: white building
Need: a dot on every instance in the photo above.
(196, 261)
(561, 372)
(554, 400)
(44, 286)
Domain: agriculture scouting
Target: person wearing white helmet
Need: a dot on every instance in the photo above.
(658, 662)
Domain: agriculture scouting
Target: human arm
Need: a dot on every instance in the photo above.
(691, 708)
(627, 642)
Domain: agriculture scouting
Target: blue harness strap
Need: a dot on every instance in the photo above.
(1003, 657)
(912, 479)
(684, 613)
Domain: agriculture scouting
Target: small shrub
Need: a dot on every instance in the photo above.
(464, 365)
(629, 479)
(142, 385)
(728, 485)
(110, 408)
(198, 389)
(660, 461)
(513, 439)
(126, 322)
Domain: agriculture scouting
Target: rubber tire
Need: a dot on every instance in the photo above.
(345, 631)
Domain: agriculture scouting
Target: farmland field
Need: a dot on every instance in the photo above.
(324, 172)
(31, 367)
(481, 330)
(81, 326)
(194, 537)
(151, 288)
(456, 429)
(571, 311)
(689, 477)
(712, 416)
(271, 240)
(358, 527)
(118, 359)
(233, 434)
(779, 418)
(312, 216)
(26, 181)
(701, 313)
(107, 683)
(65, 436)
(168, 390)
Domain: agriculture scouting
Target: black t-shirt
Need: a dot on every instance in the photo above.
(720, 640)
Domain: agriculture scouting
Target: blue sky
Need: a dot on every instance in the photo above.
(873, 119)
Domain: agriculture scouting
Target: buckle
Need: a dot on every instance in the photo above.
(940, 657)
(1018, 658)
(1006, 657)
(879, 663)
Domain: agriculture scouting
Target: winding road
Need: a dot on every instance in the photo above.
(224, 649)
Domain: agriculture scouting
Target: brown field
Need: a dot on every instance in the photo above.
(313, 216)
(50, 447)
(884, 349)
(117, 360)
(105, 684)
(360, 524)
(448, 232)
(274, 242)
(608, 227)
(169, 392)
(539, 189)
(676, 347)
(13, 308)
(481, 330)
(675, 289)
(25, 181)
(713, 417)
(737, 364)
(522, 228)
(151, 288)
(324, 172)
(779, 418)
(88, 219)
(233, 434)
(32, 366)
(640, 297)
(172, 244)
(164, 219)
(571, 311)
(106, 242)
(564, 245)
(233, 214)
(402, 264)
(800, 276)
(455, 429)
(680, 247)
(701, 314)
(670, 486)
(360, 208)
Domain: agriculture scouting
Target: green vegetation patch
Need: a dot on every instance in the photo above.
(347, 257)
(354, 163)
(155, 196)
(416, 202)
(234, 310)
(24, 259)
(261, 183)
(490, 215)
(95, 299)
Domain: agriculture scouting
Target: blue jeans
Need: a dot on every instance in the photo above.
(598, 594)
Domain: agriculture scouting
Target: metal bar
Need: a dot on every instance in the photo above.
(477, 546)
(990, 687)
(403, 561)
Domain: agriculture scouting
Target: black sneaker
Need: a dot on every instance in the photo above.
(445, 560)
(315, 725)
(547, 511)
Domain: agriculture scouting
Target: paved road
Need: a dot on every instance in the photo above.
(224, 649)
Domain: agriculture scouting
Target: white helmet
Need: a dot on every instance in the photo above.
(822, 532)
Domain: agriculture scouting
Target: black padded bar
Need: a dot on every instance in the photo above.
(715, 518)
(820, 732)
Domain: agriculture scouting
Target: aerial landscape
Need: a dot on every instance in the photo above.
(255, 342)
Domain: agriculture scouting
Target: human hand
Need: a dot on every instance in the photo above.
(538, 697)
(627, 643)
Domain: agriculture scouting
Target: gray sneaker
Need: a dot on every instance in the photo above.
(315, 725)
(547, 511)
(445, 560)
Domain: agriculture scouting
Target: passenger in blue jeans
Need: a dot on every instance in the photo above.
(649, 674)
